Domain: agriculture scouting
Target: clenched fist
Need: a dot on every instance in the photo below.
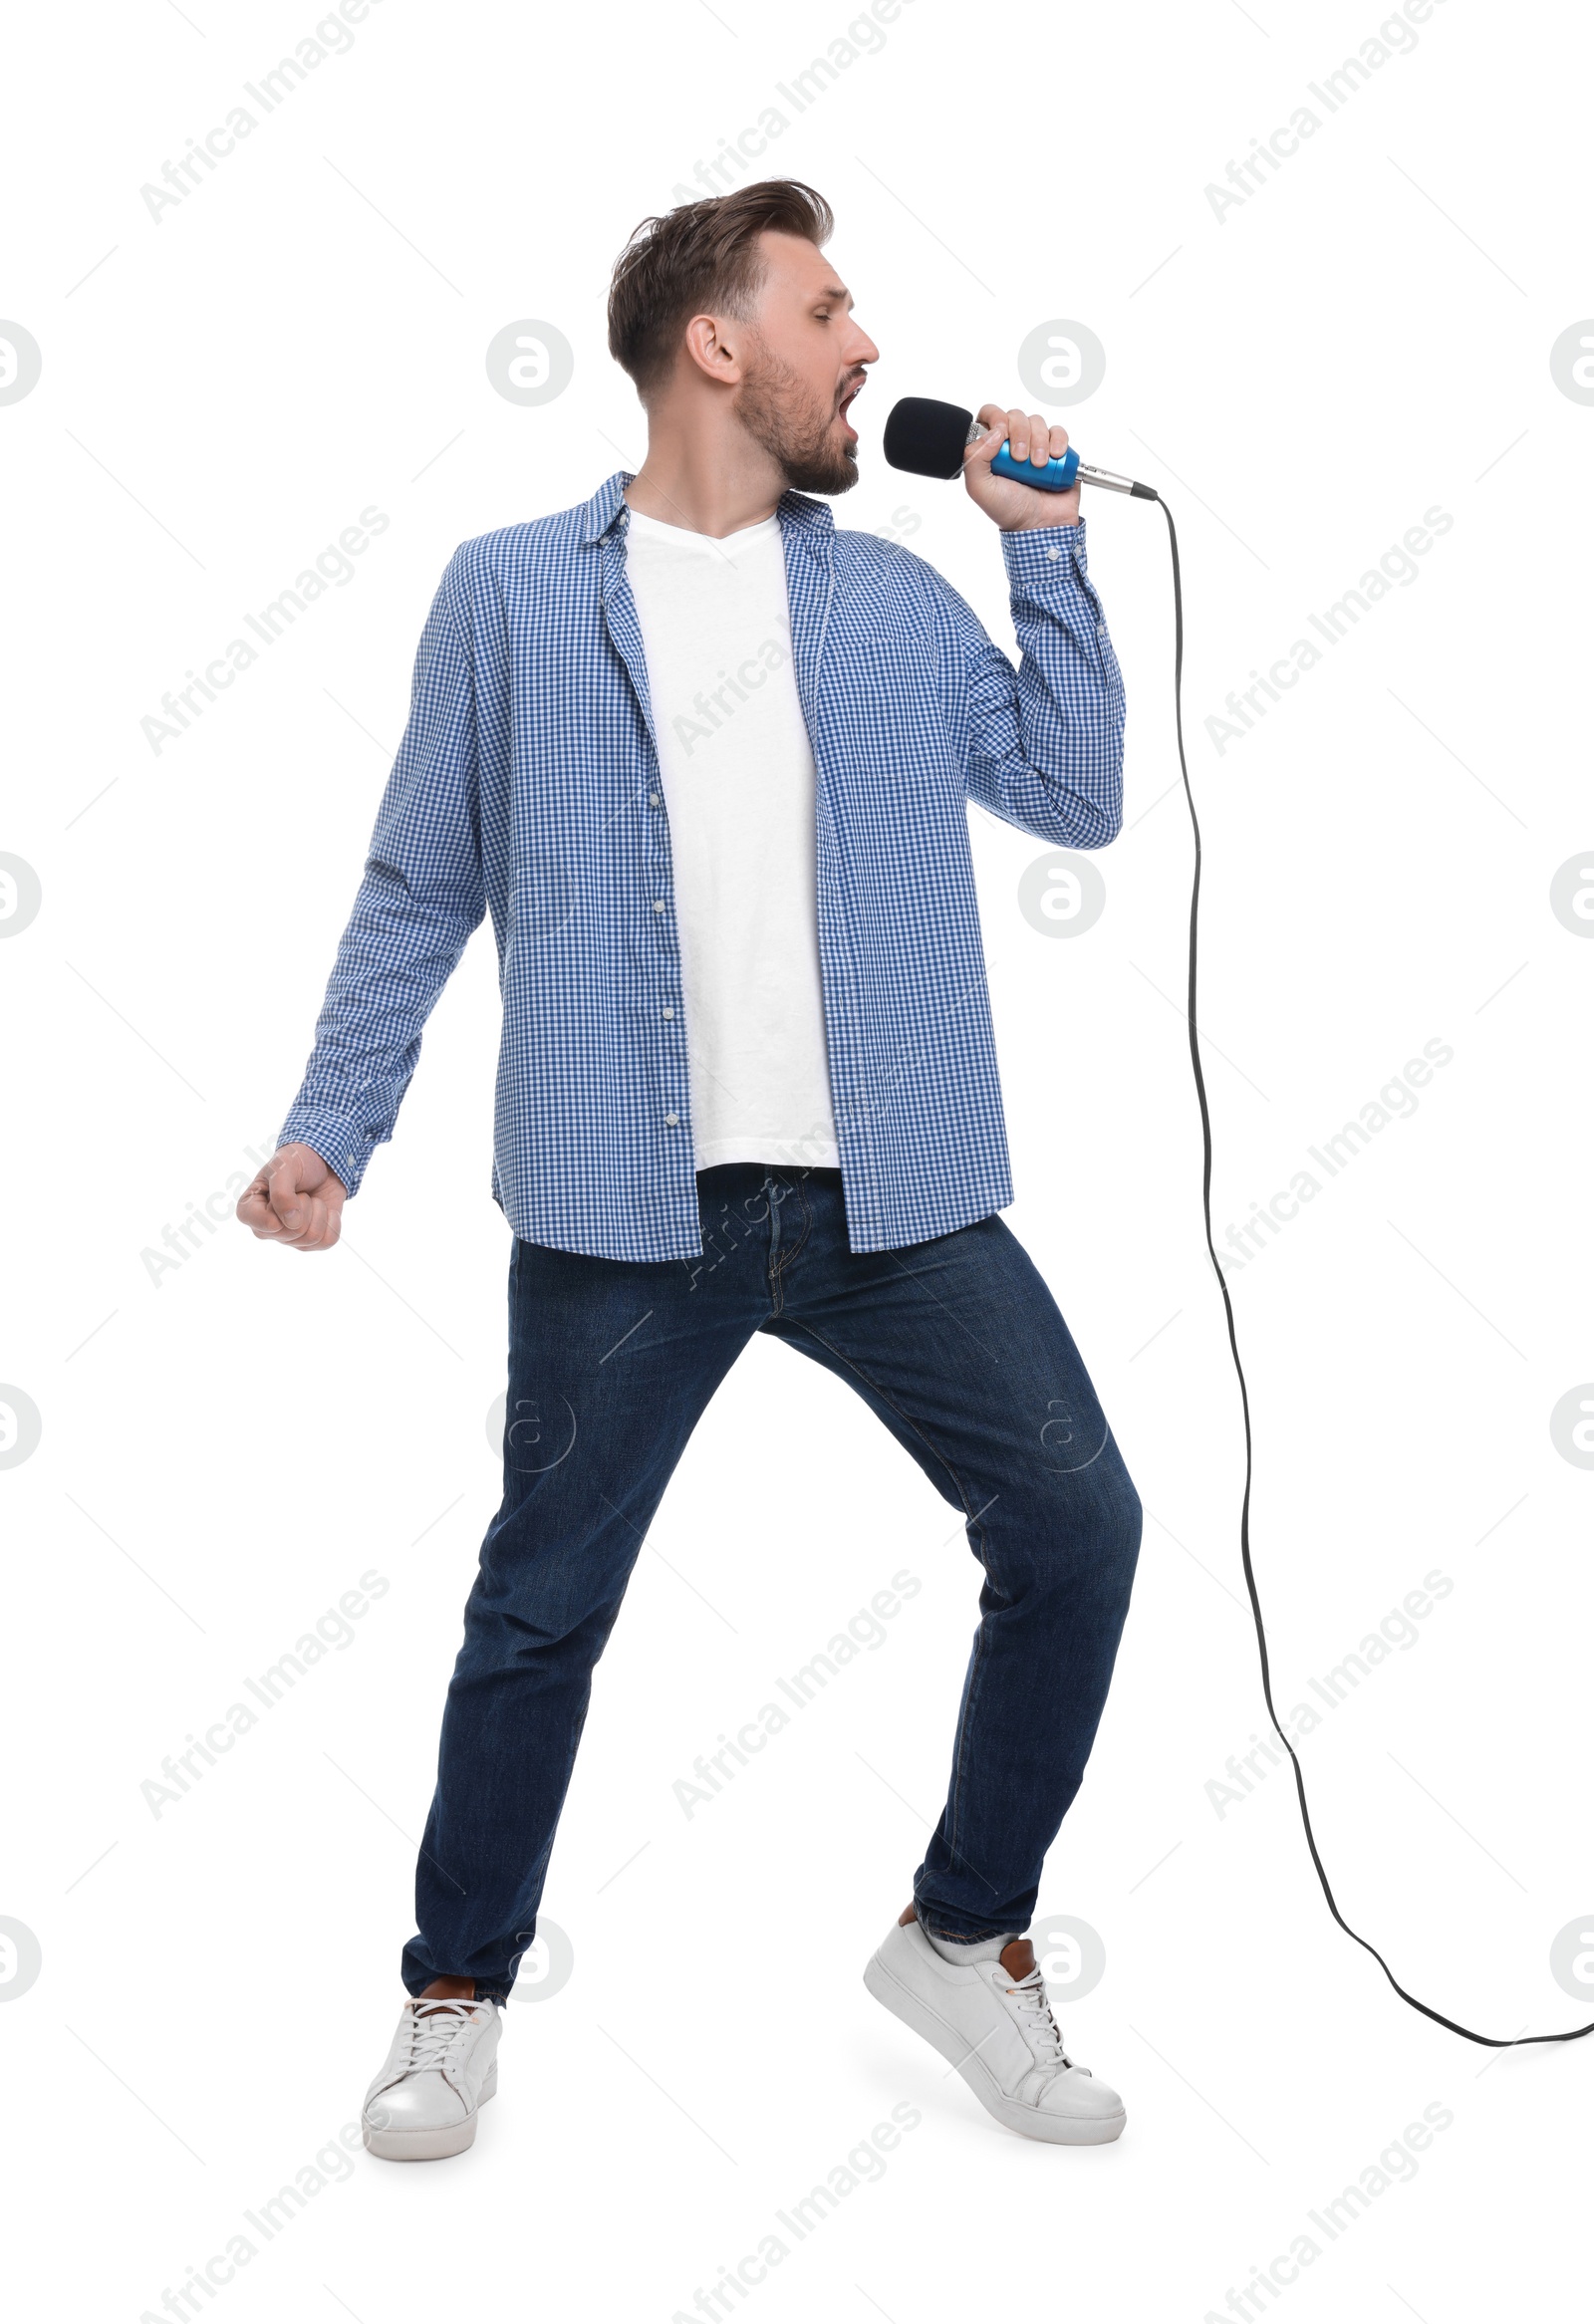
(295, 1198)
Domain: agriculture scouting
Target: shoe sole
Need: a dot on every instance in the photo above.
(430, 2146)
(941, 2035)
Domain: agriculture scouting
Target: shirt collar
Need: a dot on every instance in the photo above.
(608, 508)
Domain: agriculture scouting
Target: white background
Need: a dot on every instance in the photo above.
(227, 1448)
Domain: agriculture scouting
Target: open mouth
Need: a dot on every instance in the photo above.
(848, 399)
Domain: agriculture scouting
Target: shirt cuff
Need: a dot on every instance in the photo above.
(1049, 578)
(344, 1148)
(1045, 552)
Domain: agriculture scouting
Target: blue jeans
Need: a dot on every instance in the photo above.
(959, 1346)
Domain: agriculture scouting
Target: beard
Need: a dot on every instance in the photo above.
(794, 426)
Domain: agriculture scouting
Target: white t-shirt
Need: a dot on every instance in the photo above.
(738, 784)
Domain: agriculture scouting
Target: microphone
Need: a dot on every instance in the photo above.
(928, 439)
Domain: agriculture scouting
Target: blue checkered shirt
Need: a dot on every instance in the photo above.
(527, 784)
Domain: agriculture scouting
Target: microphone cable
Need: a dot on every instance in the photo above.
(1488, 2040)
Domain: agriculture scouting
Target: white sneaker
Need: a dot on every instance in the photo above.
(992, 2021)
(441, 2068)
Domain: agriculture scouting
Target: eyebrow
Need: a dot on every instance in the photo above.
(835, 291)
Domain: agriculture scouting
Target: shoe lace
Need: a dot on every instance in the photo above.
(1034, 2013)
(435, 2027)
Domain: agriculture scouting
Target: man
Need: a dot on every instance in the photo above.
(706, 761)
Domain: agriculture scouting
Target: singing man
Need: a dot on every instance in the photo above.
(707, 760)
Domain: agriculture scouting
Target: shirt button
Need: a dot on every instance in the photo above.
(653, 798)
(659, 907)
(669, 1012)
(1101, 628)
(1053, 555)
(671, 1119)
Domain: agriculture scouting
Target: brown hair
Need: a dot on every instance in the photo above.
(702, 255)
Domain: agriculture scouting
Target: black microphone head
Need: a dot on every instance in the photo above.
(926, 437)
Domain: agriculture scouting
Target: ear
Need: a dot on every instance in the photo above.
(708, 351)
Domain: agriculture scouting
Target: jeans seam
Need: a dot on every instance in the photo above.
(790, 1251)
(954, 1796)
(785, 1253)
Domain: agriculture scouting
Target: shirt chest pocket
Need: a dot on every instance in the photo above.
(899, 665)
(884, 704)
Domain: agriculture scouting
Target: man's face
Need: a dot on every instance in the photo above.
(804, 364)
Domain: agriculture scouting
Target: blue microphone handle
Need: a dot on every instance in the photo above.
(1057, 475)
